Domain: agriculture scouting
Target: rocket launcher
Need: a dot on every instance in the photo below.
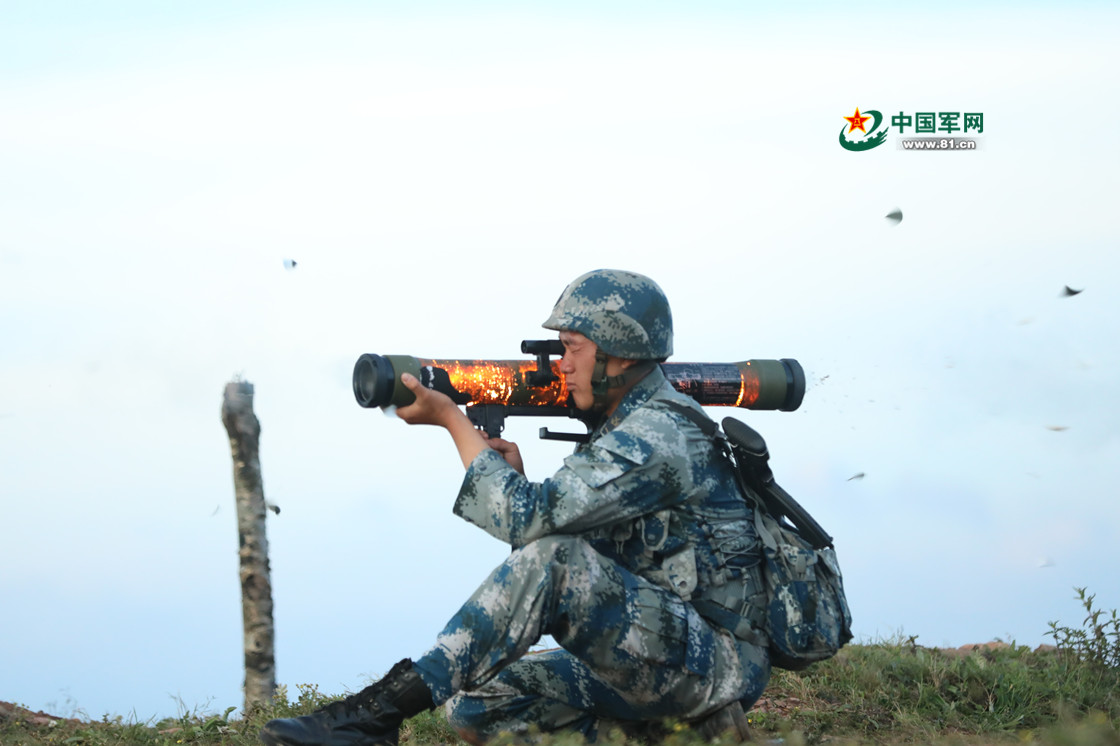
(492, 390)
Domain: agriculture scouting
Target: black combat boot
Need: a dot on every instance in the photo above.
(372, 717)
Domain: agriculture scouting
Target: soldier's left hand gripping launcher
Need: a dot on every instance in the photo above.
(495, 389)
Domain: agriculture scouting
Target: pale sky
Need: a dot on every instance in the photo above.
(439, 176)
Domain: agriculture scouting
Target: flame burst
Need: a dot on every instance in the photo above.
(749, 386)
(507, 382)
(501, 381)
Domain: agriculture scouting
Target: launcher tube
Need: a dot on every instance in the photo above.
(750, 384)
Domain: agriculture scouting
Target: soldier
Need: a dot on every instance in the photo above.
(639, 557)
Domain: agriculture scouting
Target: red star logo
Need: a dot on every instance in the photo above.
(856, 122)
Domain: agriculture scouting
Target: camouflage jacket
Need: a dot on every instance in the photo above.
(649, 489)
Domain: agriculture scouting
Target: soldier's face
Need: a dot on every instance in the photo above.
(578, 365)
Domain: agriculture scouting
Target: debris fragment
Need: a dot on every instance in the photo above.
(895, 216)
(1068, 291)
(290, 264)
(860, 475)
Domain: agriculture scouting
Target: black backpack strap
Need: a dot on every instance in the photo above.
(748, 453)
(706, 424)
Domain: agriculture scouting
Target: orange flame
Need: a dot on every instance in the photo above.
(507, 382)
(501, 382)
(750, 386)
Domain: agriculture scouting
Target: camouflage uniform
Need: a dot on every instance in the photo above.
(615, 557)
(607, 555)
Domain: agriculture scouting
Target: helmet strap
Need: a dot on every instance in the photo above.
(601, 382)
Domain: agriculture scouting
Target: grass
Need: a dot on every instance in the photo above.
(889, 692)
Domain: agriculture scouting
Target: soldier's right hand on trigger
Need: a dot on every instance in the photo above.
(510, 452)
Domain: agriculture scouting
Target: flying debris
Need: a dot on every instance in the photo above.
(860, 475)
(289, 264)
(1068, 291)
(273, 507)
(895, 216)
(1057, 428)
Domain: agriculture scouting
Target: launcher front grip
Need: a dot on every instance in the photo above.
(750, 384)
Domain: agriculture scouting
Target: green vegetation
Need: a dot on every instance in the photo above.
(887, 692)
(1096, 642)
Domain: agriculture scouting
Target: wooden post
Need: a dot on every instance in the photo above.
(256, 589)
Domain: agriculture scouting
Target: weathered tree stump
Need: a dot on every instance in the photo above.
(256, 588)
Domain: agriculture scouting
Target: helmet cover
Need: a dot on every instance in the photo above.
(624, 313)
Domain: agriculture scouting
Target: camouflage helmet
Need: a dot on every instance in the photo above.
(625, 314)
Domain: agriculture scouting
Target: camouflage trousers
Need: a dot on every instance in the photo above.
(631, 650)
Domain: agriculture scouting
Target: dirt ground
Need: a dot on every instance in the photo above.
(9, 711)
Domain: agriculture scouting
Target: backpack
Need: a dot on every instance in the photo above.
(806, 616)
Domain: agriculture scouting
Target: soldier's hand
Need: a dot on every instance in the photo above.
(430, 408)
(510, 452)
